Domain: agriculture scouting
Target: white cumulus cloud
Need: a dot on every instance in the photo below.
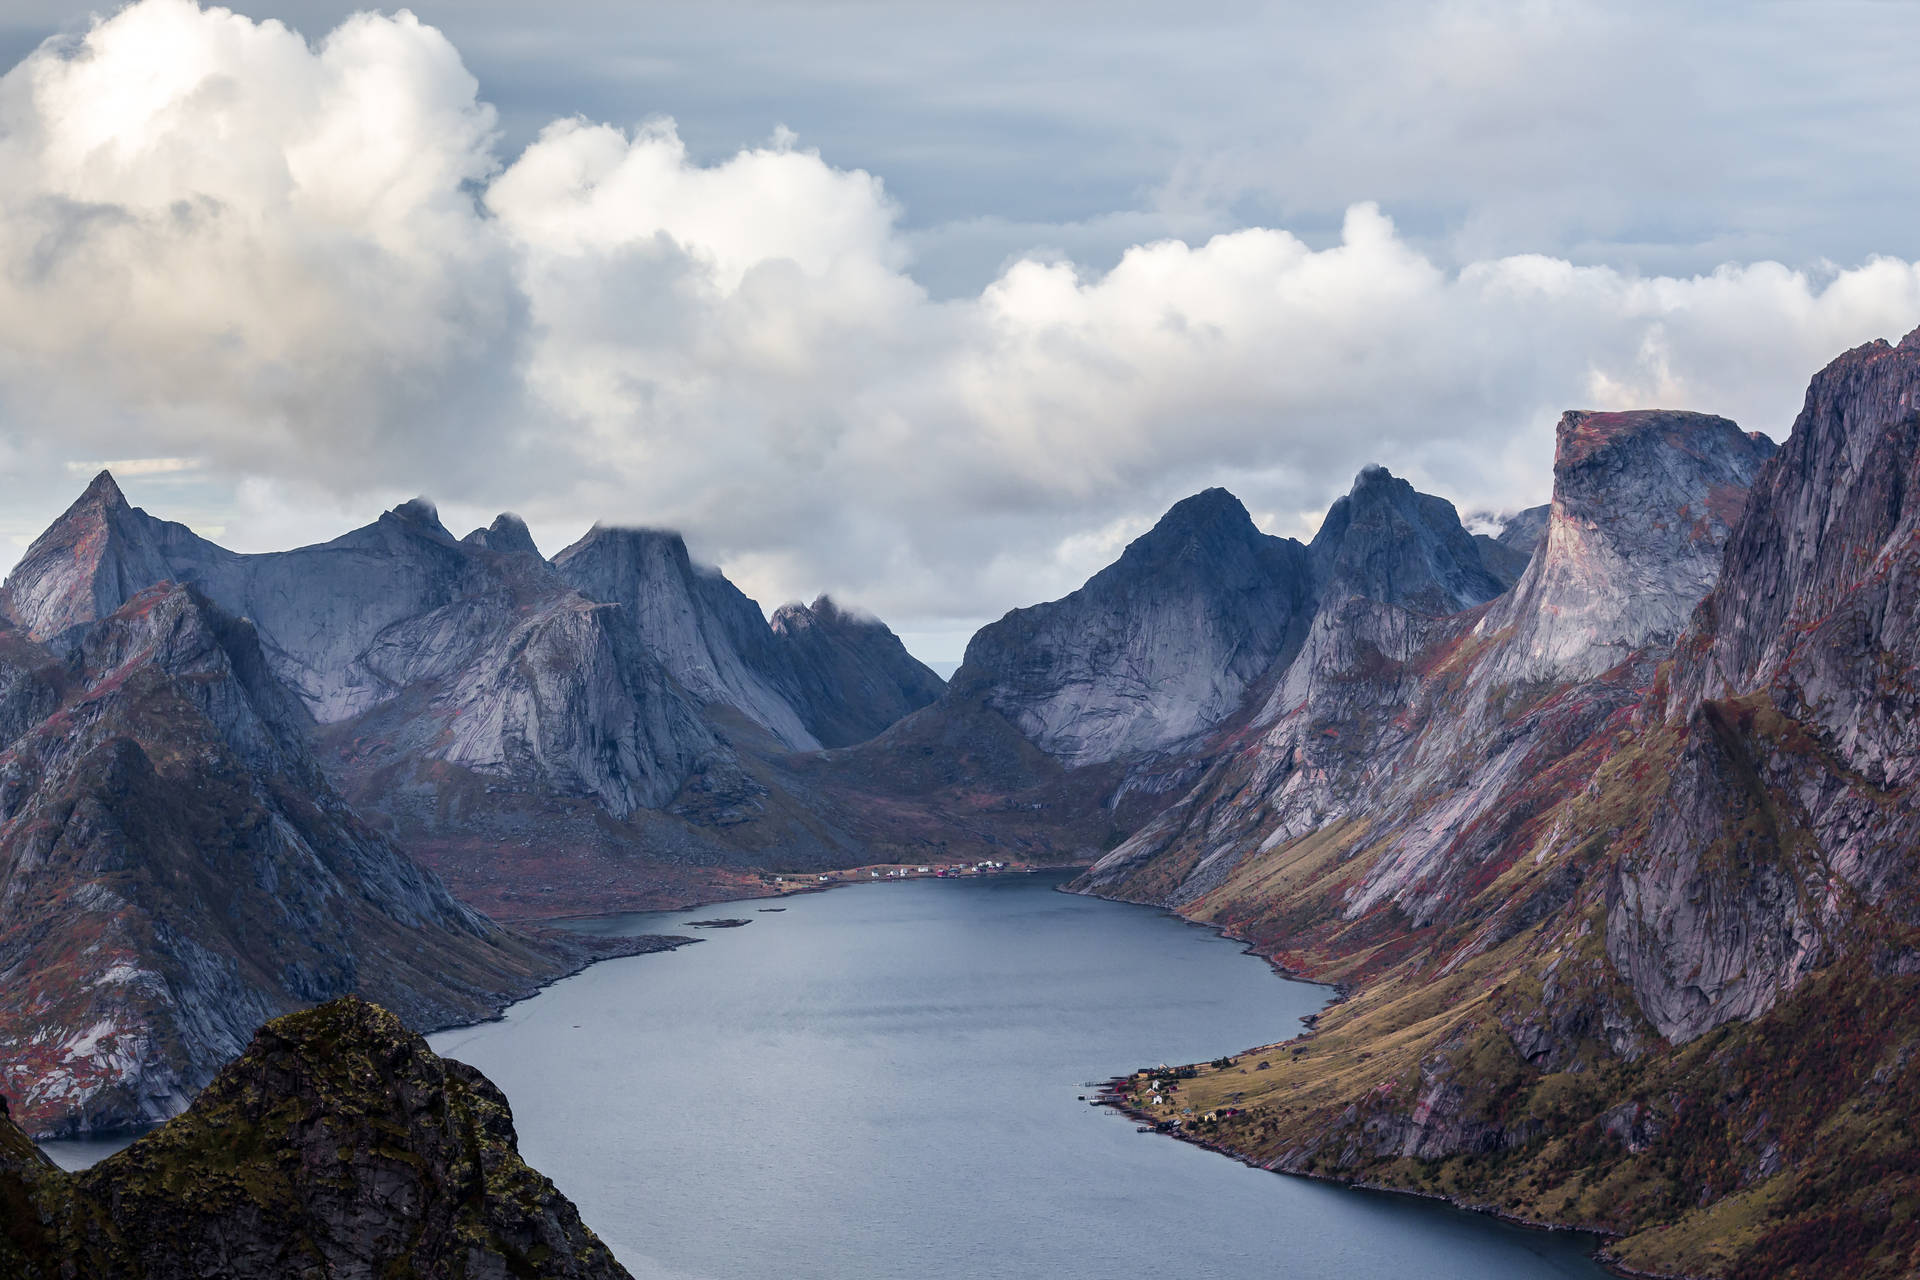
(311, 269)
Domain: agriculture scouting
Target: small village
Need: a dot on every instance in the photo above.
(796, 883)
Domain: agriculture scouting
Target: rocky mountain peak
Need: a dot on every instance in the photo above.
(87, 564)
(1157, 647)
(1390, 543)
(1643, 503)
(507, 534)
(708, 634)
(1191, 527)
(421, 513)
(103, 491)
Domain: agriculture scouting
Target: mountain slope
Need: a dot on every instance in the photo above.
(174, 868)
(337, 1144)
(1666, 984)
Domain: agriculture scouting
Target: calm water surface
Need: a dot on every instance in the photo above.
(880, 1082)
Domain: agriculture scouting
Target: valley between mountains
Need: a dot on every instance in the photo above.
(1603, 821)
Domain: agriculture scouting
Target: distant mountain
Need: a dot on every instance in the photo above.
(708, 635)
(1156, 648)
(466, 693)
(851, 675)
(337, 1144)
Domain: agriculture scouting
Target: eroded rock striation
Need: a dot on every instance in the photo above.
(337, 1145)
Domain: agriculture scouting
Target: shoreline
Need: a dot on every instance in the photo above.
(1110, 1095)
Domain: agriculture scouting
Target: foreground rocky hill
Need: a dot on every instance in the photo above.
(336, 1145)
(1622, 886)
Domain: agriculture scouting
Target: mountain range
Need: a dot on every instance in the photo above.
(1601, 817)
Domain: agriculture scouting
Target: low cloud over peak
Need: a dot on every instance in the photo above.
(314, 270)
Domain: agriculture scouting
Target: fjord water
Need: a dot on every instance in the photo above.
(882, 1081)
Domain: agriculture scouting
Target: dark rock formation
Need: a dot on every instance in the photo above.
(1523, 531)
(1158, 647)
(1393, 545)
(851, 675)
(507, 533)
(337, 1146)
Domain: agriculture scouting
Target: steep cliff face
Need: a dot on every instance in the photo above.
(1426, 706)
(338, 1144)
(1643, 503)
(850, 673)
(1156, 648)
(1792, 813)
(174, 868)
(703, 630)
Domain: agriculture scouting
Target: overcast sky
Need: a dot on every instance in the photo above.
(932, 306)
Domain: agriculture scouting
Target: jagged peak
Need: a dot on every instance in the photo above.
(1911, 342)
(1208, 507)
(103, 491)
(507, 533)
(421, 512)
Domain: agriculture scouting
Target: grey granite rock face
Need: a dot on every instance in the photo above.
(1428, 727)
(1502, 561)
(1643, 505)
(1157, 647)
(701, 628)
(1523, 530)
(850, 675)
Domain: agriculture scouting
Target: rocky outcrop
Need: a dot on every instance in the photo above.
(337, 1145)
(174, 868)
(1426, 707)
(850, 674)
(1155, 649)
(507, 533)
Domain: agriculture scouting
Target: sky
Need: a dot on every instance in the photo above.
(929, 306)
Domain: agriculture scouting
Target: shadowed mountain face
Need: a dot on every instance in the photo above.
(1389, 543)
(851, 675)
(338, 1144)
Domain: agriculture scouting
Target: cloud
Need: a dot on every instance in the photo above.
(315, 270)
